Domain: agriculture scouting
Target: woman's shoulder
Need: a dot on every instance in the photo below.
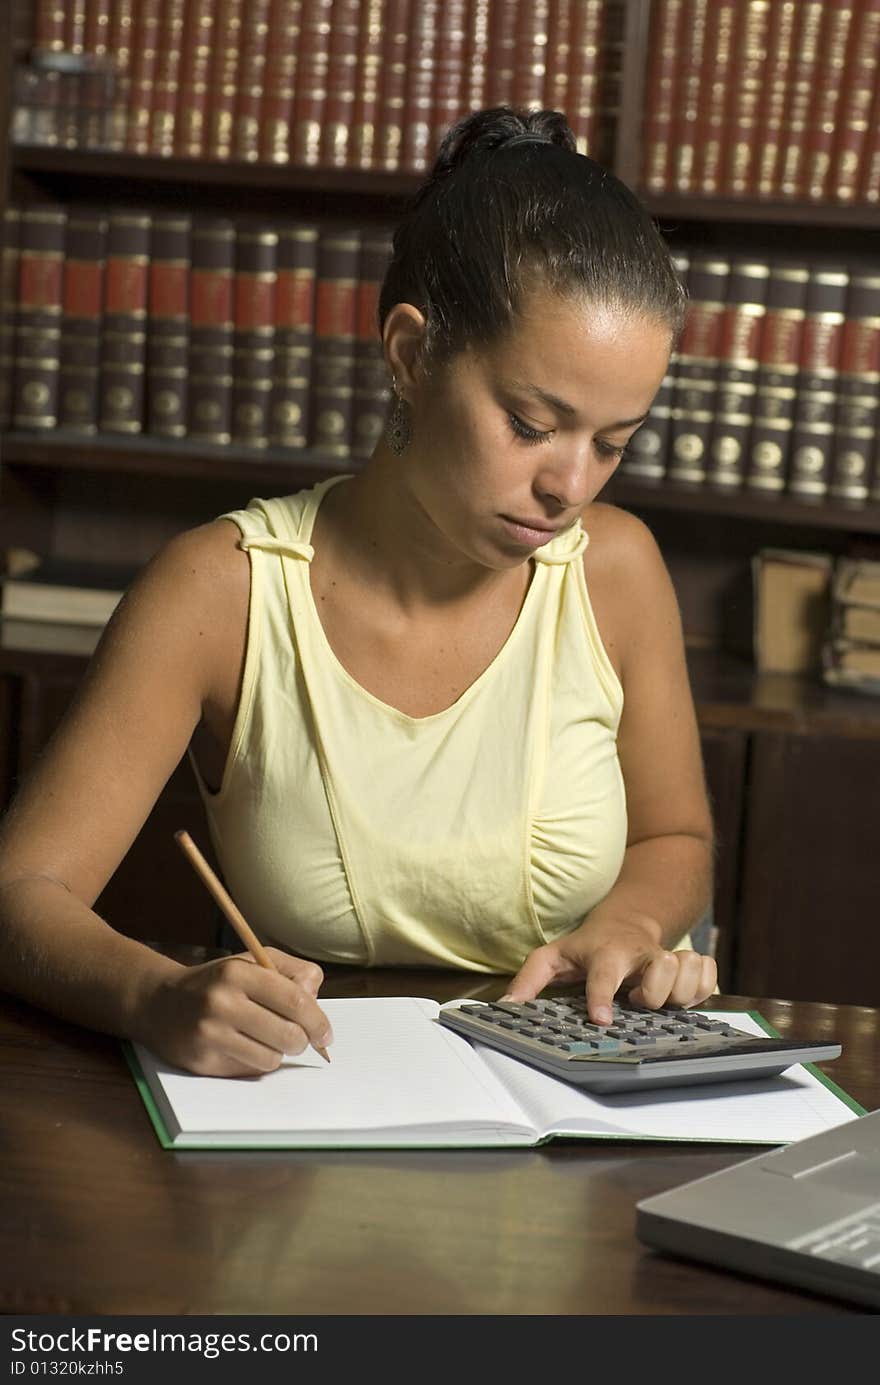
(619, 542)
(629, 585)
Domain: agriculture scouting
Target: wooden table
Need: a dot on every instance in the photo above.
(96, 1218)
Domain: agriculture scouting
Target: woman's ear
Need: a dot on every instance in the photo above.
(403, 337)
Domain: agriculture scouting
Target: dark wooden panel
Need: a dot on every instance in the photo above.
(724, 756)
(811, 871)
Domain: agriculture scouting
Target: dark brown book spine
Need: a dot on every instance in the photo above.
(861, 75)
(9, 274)
(38, 317)
(825, 107)
(858, 391)
(739, 351)
(747, 79)
(294, 334)
(392, 84)
(696, 386)
(370, 384)
(50, 34)
(80, 363)
(771, 112)
(190, 130)
(646, 452)
(501, 57)
(690, 74)
(448, 104)
(421, 57)
(801, 94)
(367, 84)
(168, 325)
(558, 61)
(342, 54)
(332, 391)
(530, 55)
(97, 82)
(167, 80)
(253, 352)
(588, 30)
(41, 91)
(223, 76)
(812, 438)
(279, 85)
(147, 19)
(251, 71)
(776, 383)
(310, 98)
(119, 42)
(661, 92)
(124, 328)
(211, 325)
(70, 110)
(476, 83)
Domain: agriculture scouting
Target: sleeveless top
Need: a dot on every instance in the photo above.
(349, 831)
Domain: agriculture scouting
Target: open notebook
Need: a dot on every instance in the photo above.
(398, 1078)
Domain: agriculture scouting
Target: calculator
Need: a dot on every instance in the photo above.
(640, 1049)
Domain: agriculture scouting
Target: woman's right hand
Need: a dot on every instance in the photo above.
(233, 1018)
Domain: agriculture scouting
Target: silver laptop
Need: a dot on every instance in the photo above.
(806, 1215)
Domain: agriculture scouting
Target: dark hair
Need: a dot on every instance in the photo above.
(510, 205)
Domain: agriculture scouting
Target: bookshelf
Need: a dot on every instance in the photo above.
(770, 746)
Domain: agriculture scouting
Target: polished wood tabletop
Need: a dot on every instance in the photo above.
(95, 1217)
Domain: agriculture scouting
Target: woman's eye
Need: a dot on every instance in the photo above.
(610, 450)
(522, 430)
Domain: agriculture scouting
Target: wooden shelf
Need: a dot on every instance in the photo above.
(771, 211)
(633, 494)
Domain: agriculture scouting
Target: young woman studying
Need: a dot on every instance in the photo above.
(439, 709)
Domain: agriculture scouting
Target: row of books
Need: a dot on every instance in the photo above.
(768, 99)
(851, 652)
(205, 328)
(342, 83)
(775, 385)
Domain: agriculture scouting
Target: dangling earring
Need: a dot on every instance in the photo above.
(399, 430)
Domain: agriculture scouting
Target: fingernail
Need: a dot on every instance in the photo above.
(508, 996)
(603, 1015)
(326, 1038)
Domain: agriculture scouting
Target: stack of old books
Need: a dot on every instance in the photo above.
(851, 653)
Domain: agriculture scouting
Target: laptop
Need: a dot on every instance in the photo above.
(806, 1215)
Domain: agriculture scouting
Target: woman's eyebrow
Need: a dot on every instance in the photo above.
(564, 407)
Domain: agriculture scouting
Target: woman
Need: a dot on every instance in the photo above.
(439, 710)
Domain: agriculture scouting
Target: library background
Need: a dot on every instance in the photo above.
(197, 201)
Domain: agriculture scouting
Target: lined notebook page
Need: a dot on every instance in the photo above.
(769, 1110)
(391, 1068)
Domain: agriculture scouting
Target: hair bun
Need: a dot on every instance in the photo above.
(484, 132)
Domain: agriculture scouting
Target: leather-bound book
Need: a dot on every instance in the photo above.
(124, 328)
(858, 389)
(212, 255)
(342, 54)
(253, 345)
(556, 75)
(448, 100)
(501, 58)
(70, 104)
(279, 81)
(296, 278)
(854, 126)
(530, 55)
(38, 317)
(146, 23)
(167, 80)
(223, 69)
(812, 438)
(367, 82)
(696, 385)
(119, 40)
(370, 383)
(804, 75)
(476, 66)
(645, 456)
(781, 30)
(869, 174)
(392, 84)
(827, 103)
(691, 70)
(332, 383)
(747, 84)
(190, 129)
(96, 85)
(739, 352)
(310, 97)
(777, 377)
(587, 35)
(661, 93)
(85, 252)
(421, 57)
(168, 325)
(251, 71)
(9, 258)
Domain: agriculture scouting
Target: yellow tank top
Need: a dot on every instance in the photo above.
(348, 831)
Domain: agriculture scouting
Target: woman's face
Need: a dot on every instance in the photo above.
(530, 428)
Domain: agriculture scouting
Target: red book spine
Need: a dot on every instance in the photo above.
(342, 56)
(421, 57)
(71, 92)
(294, 334)
(826, 103)
(311, 81)
(9, 272)
(690, 74)
(857, 87)
(223, 78)
(801, 94)
(38, 317)
(50, 30)
(252, 345)
(501, 58)
(448, 103)
(777, 70)
(815, 407)
(530, 55)
(714, 91)
(280, 78)
(476, 77)
(80, 360)
(96, 83)
(371, 392)
(392, 84)
(748, 76)
(252, 67)
(661, 93)
(588, 32)
(165, 85)
(776, 382)
(124, 328)
(168, 325)
(558, 55)
(869, 181)
(192, 93)
(119, 41)
(144, 59)
(211, 325)
(332, 386)
(858, 391)
(367, 85)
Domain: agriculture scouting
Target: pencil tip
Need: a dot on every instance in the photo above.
(324, 1054)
